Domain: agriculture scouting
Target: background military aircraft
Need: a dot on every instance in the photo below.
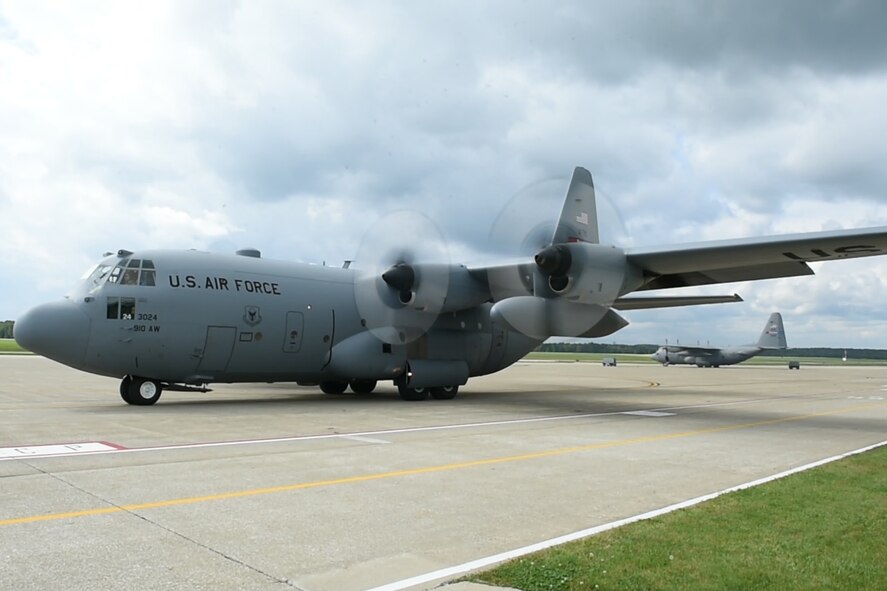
(772, 337)
(180, 320)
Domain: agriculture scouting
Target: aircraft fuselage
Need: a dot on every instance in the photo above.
(711, 358)
(195, 318)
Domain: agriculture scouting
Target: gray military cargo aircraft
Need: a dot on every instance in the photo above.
(181, 320)
(772, 337)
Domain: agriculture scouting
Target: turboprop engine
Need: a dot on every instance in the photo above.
(574, 287)
(580, 272)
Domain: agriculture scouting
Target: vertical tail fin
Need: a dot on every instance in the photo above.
(773, 336)
(578, 221)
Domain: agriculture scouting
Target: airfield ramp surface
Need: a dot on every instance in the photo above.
(273, 485)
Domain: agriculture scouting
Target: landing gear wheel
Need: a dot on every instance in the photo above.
(362, 386)
(124, 389)
(140, 391)
(444, 392)
(412, 394)
(333, 387)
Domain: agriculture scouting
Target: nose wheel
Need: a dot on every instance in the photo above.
(140, 391)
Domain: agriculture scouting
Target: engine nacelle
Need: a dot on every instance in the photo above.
(581, 272)
(434, 287)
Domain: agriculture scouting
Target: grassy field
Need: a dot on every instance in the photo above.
(10, 346)
(820, 529)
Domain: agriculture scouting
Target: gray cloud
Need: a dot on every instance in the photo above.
(291, 127)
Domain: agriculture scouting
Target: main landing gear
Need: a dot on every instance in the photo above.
(140, 391)
(438, 392)
(406, 393)
(357, 386)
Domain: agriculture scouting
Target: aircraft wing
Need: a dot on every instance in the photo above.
(694, 351)
(745, 259)
(672, 302)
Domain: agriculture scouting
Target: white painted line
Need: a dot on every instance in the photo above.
(69, 449)
(363, 439)
(403, 430)
(461, 569)
(649, 413)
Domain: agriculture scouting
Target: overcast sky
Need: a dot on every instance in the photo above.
(293, 127)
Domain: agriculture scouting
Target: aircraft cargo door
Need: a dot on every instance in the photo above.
(217, 350)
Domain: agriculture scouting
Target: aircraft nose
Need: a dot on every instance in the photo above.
(58, 330)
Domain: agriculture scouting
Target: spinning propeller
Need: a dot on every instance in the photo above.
(403, 277)
(568, 286)
(558, 280)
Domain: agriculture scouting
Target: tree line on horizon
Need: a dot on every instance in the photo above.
(645, 349)
(6, 329)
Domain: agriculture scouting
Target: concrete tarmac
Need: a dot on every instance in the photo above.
(275, 486)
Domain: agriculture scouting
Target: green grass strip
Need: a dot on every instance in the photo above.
(824, 528)
(10, 346)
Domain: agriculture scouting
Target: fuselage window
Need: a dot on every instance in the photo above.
(127, 308)
(113, 308)
(121, 308)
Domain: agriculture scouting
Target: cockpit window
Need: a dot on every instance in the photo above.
(146, 278)
(97, 276)
(134, 272)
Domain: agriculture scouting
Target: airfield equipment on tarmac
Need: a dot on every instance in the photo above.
(180, 320)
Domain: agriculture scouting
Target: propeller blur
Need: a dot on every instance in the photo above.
(181, 320)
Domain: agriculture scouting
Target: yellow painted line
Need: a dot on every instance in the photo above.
(423, 470)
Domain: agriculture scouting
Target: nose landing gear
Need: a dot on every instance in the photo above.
(140, 391)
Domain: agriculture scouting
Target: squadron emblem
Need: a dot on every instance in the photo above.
(252, 315)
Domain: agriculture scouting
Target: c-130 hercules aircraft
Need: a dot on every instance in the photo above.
(180, 320)
(772, 337)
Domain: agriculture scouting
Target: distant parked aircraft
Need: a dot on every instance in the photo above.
(773, 337)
